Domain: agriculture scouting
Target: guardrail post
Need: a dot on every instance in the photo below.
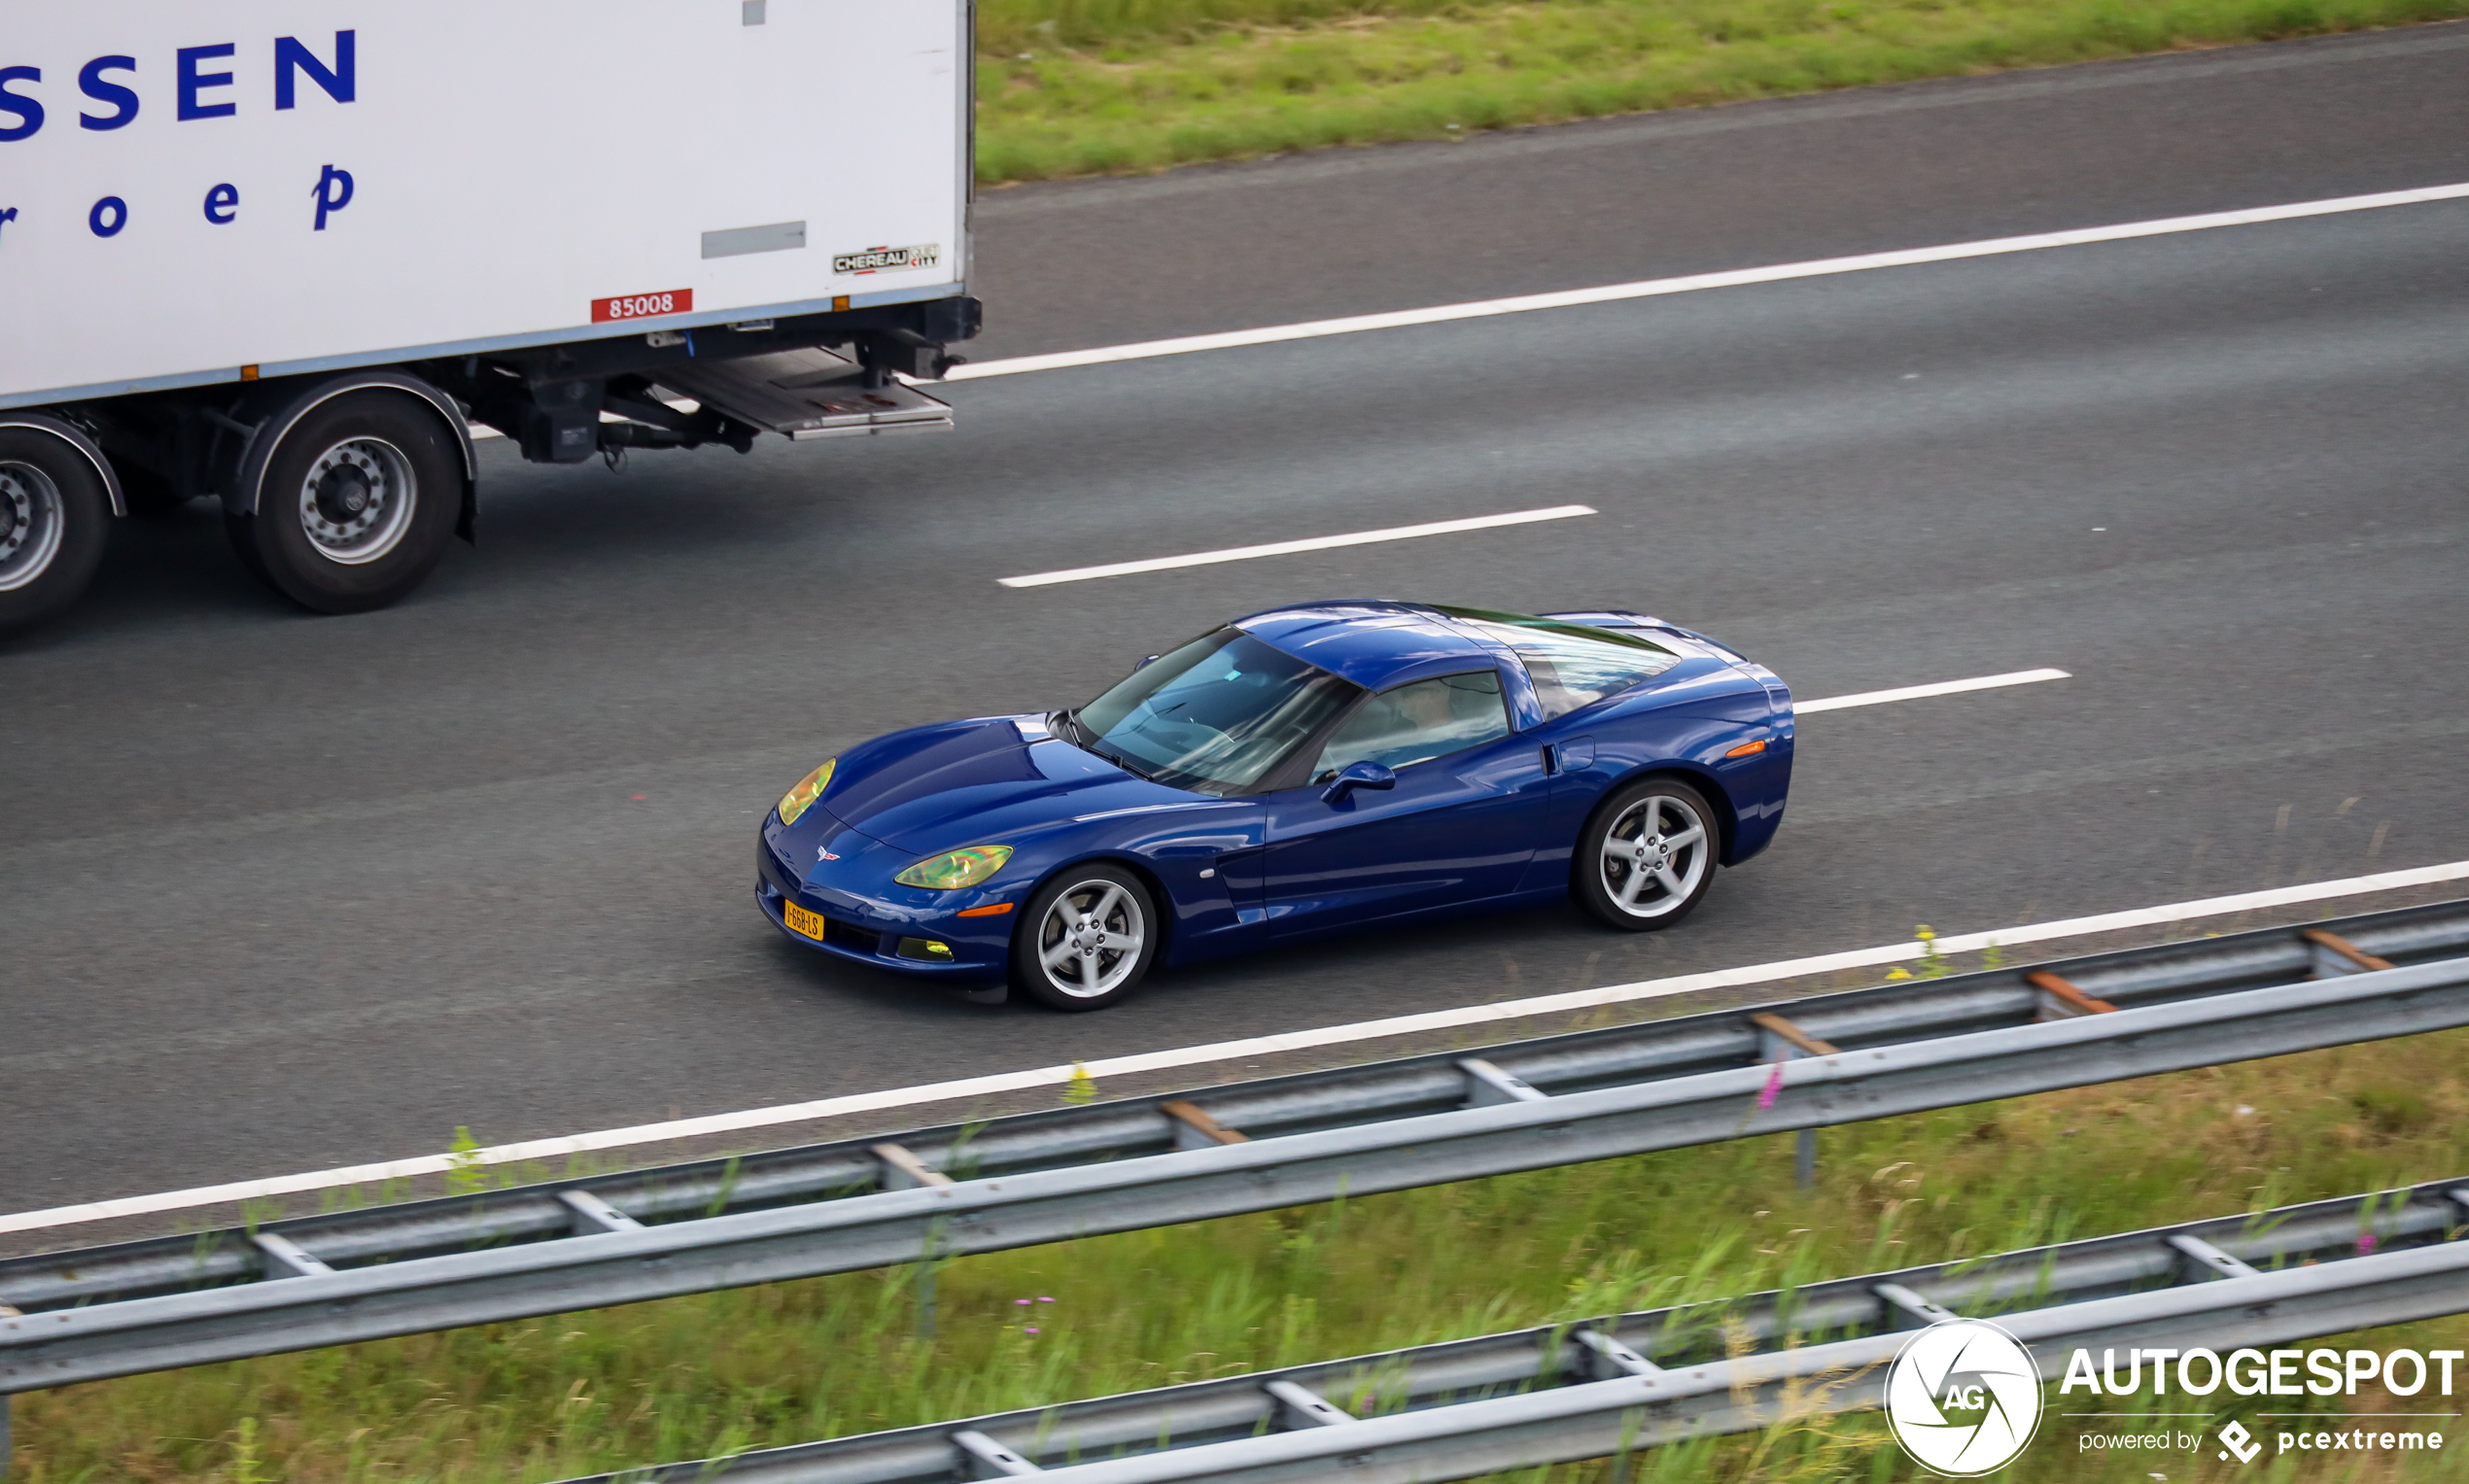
(2204, 1261)
(2062, 1000)
(1489, 1086)
(2336, 957)
(1299, 1407)
(1779, 1039)
(282, 1257)
(1906, 1309)
(902, 1170)
(988, 1459)
(592, 1214)
(1606, 1358)
(1195, 1129)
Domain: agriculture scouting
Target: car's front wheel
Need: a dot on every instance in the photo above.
(1646, 856)
(1086, 939)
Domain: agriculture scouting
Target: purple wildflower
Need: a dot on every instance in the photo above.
(2365, 1242)
(1045, 1298)
(1028, 1329)
(1023, 1303)
(1772, 1091)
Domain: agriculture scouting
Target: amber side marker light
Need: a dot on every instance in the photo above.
(1746, 748)
(996, 911)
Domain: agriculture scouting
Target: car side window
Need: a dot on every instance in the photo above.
(1418, 722)
(1570, 672)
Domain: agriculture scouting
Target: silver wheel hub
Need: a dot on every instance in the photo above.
(1654, 857)
(356, 500)
(32, 521)
(1089, 942)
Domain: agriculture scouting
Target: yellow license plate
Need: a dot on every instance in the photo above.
(800, 920)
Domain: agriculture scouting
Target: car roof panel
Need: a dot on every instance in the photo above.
(1370, 642)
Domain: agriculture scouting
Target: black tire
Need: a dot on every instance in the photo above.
(1627, 866)
(1109, 978)
(54, 519)
(331, 531)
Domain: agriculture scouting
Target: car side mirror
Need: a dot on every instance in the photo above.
(1354, 775)
(1151, 660)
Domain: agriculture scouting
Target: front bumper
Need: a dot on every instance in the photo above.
(873, 928)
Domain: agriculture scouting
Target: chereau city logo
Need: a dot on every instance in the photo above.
(1963, 1397)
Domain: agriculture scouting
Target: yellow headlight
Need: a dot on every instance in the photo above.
(809, 788)
(954, 869)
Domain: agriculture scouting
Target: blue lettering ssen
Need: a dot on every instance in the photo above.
(291, 59)
(192, 81)
(29, 114)
(334, 193)
(91, 83)
(110, 206)
(223, 203)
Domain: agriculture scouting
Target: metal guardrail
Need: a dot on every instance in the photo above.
(1554, 1394)
(351, 1276)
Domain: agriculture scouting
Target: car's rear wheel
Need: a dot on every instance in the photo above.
(1087, 940)
(1646, 856)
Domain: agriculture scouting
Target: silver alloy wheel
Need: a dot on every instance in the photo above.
(357, 502)
(1089, 941)
(32, 520)
(1654, 857)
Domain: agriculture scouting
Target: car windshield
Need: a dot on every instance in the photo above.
(1215, 715)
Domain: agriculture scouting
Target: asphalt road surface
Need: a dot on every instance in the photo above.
(283, 892)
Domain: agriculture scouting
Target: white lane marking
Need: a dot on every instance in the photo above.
(1226, 1051)
(1309, 543)
(1916, 692)
(1731, 279)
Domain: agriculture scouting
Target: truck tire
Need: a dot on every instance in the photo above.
(357, 503)
(54, 514)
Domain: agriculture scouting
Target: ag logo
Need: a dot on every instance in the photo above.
(1963, 1397)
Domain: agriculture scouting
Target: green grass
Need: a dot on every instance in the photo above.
(1090, 86)
(698, 1376)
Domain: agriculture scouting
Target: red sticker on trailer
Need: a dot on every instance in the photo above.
(642, 306)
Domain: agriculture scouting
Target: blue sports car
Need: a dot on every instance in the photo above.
(1299, 772)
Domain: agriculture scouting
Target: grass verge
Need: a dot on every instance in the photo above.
(1090, 86)
(713, 1374)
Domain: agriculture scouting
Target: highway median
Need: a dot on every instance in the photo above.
(1072, 88)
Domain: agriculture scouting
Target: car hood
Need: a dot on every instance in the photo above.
(965, 782)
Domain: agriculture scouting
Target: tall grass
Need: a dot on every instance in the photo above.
(1083, 86)
(694, 1377)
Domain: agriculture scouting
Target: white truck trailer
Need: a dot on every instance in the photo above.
(282, 253)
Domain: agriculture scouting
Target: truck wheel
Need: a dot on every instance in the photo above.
(357, 504)
(53, 513)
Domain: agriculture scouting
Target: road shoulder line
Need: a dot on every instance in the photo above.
(1226, 1051)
